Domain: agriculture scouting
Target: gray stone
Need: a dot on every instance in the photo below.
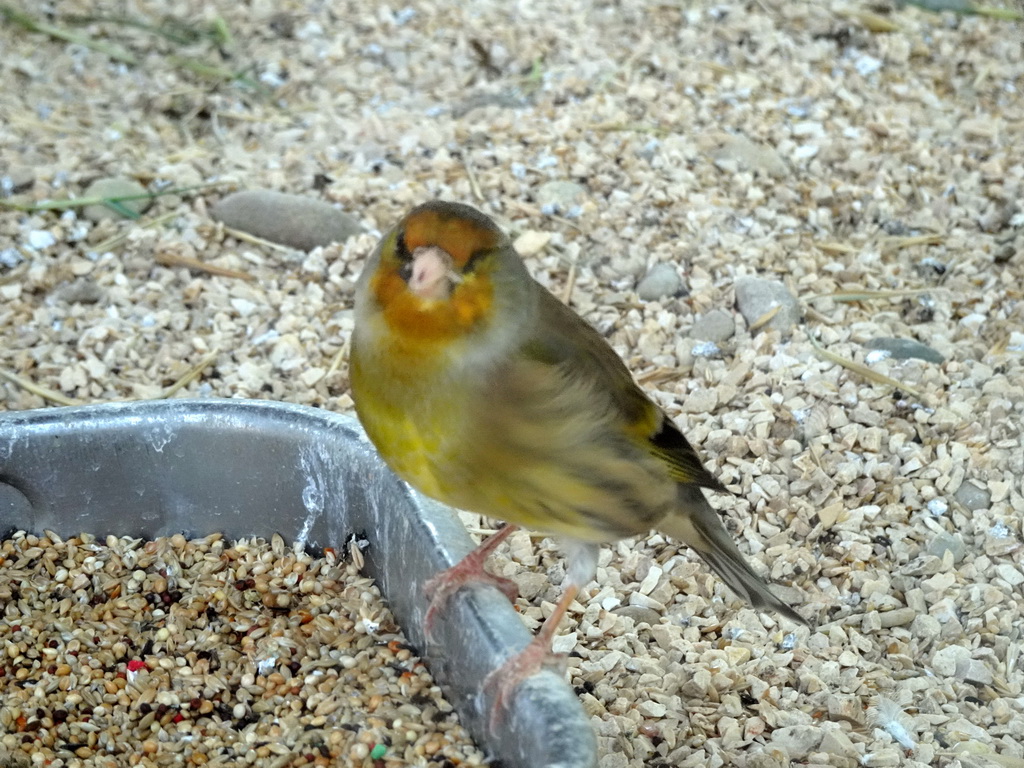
(663, 280)
(944, 542)
(560, 196)
(905, 349)
(639, 614)
(973, 497)
(81, 291)
(10, 257)
(115, 187)
(506, 99)
(755, 297)
(293, 220)
(18, 178)
(718, 325)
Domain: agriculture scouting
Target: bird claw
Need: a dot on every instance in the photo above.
(503, 681)
(440, 589)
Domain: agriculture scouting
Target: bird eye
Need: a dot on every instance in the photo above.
(402, 251)
(403, 256)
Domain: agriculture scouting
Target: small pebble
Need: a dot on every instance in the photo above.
(17, 178)
(1010, 574)
(973, 671)
(718, 325)
(882, 758)
(112, 187)
(10, 257)
(973, 497)
(896, 618)
(560, 197)
(797, 741)
(80, 291)
(639, 614)
(531, 242)
(836, 742)
(905, 349)
(756, 297)
(298, 221)
(944, 661)
(736, 151)
(948, 542)
(41, 239)
(662, 281)
(651, 709)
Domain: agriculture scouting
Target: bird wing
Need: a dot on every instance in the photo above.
(565, 340)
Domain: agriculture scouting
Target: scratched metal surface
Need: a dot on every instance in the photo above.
(254, 467)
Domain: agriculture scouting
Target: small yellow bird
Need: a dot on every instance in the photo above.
(484, 391)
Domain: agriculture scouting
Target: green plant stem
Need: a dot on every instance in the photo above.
(27, 22)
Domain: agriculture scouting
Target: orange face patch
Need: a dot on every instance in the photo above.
(414, 319)
(417, 321)
(460, 236)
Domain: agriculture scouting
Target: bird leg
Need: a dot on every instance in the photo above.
(440, 589)
(505, 679)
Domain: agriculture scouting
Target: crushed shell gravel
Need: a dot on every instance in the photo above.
(866, 156)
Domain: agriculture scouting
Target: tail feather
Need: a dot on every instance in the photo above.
(698, 525)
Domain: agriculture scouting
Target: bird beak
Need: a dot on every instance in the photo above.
(432, 275)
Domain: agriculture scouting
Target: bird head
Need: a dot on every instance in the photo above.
(444, 272)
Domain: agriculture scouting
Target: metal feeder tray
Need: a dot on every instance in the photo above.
(255, 468)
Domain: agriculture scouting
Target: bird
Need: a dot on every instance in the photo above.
(484, 391)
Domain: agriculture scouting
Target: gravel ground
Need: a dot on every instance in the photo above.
(798, 222)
